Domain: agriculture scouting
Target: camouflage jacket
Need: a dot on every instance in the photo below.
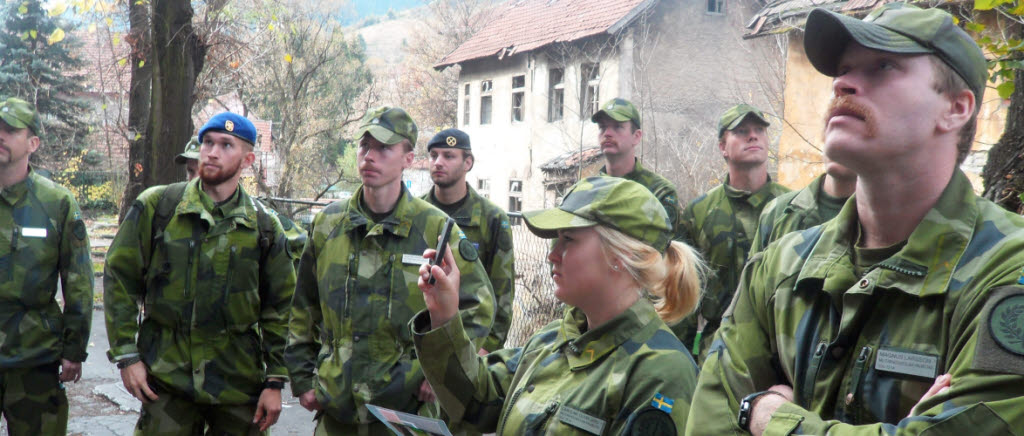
(630, 373)
(795, 210)
(720, 225)
(42, 237)
(293, 233)
(859, 352)
(355, 293)
(663, 189)
(216, 301)
(487, 227)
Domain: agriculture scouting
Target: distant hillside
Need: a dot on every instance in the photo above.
(384, 39)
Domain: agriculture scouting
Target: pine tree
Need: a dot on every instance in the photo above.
(37, 65)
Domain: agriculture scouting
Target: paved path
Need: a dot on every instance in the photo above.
(99, 405)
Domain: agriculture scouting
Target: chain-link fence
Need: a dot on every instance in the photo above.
(535, 304)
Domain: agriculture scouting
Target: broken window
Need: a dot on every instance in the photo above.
(556, 94)
(590, 75)
(518, 98)
(485, 102)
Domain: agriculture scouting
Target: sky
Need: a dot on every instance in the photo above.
(380, 7)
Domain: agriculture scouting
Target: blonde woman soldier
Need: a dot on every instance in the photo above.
(610, 365)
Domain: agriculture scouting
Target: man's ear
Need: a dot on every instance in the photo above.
(468, 161)
(33, 144)
(959, 112)
(249, 158)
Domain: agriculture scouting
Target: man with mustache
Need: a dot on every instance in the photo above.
(42, 240)
(296, 235)
(349, 341)
(722, 222)
(818, 202)
(618, 132)
(484, 223)
(904, 314)
(214, 278)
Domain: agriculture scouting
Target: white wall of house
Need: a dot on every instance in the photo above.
(510, 151)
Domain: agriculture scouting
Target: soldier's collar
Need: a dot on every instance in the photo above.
(398, 222)
(584, 349)
(934, 250)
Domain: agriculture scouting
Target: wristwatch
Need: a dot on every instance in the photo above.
(273, 384)
(747, 407)
(128, 361)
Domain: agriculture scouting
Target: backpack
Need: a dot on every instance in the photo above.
(173, 194)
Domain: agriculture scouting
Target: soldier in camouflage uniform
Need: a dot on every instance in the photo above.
(295, 235)
(618, 132)
(721, 223)
(611, 365)
(348, 343)
(818, 202)
(215, 282)
(42, 237)
(483, 222)
(903, 315)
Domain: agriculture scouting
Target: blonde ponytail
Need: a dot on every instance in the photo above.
(674, 280)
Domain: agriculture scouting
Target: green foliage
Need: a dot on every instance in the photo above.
(37, 64)
(1002, 43)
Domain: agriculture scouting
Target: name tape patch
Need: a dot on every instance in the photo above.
(413, 259)
(33, 232)
(580, 420)
(909, 363)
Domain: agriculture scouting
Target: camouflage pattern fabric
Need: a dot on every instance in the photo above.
(795, 210)
(486, 226)
(628, 374)
(172, 415)
(34, 401)
(216, 305)
(293, 233)
(663, 189)
(355, 293)
(43, 239)
(859, 352)
(720, 224)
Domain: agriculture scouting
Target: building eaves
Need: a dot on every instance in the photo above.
(526, 25)
(572, 159)
(781, 16)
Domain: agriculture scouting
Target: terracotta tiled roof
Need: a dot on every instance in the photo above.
(524, 25)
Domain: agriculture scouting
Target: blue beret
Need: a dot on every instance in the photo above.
(450, 138)
(232, 124)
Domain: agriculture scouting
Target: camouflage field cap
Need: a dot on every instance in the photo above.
(735, 115)
(389, 125)
(621, 204)
(232, 124)
(618, 109)
(896, 28)
(19, 114)
(191, 151)
(450, 138)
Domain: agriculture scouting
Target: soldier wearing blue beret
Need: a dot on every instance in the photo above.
(212, 271)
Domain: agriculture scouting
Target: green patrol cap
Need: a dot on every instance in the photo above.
(896, 28)
(621, 204)
(389, 125)
(19, 114)
(735, 115)
(618, 109)
(191, 151)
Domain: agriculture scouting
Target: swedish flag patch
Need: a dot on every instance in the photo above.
(1020, 281)
(662, 403)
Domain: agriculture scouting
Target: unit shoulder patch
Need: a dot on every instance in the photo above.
(1000, 332)
(1006, 323)
(651, 421)
(467, 250)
